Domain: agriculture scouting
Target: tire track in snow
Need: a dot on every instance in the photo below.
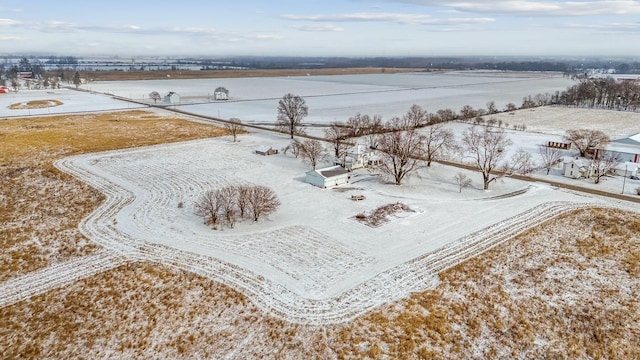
(59, 275)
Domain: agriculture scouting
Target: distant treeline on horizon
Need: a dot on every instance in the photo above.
(627, 66)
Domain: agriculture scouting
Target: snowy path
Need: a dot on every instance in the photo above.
(59, 275)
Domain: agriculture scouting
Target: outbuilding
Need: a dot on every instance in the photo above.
(328, 177)
(628, 169)
(172, 98)
(266, 150)
(221, 93)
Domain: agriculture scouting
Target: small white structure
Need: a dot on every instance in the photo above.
(328, 177)
(266, 150)
(578, 168)
(172, 98)
(358, 157)
(627, 169)
(221, 93)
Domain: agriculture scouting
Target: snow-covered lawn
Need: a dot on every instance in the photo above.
(311, 261)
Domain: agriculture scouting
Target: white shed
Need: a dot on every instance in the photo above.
(221, 93)
(627, 169)
(172, 98)
(328, 177)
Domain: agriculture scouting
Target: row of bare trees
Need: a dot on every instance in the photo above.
(230, 204)
(603, 94)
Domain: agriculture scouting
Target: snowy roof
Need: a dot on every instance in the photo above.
(624, 147)
(331, 171)
(631, 140)
(264, 148)
(629, 166)
(581, 163)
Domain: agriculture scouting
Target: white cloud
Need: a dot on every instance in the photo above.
(537, 8)
(320, 28)
(9, 22)
(400, 18)
(612, 28)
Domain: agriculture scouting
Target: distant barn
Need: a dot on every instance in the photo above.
(221, 94)
(172, 98)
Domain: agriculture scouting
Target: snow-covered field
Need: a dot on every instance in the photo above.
(72, 101)
(337, 97)
(311, 261)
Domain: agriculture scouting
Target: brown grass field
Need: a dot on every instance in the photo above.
(206, 74)
(567, 289)
(40, 207)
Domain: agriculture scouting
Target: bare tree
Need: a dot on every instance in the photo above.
(486, 146)
(416, 116)
(462, 180)
(208, 206)
(262, 201)
(243, 192)
(291, 110)
(295, 147)
(155, 96)
(234, 127)
(467, 113)
(312, 151)
(550, 156)
(228, 196)
(492, 108)
(337, 134)
(604, 165)
(520, 163)
(357, 124)
(436, 142)
(373, 126)
(446, 115)
(583, 139)
(400, 149)
(510, 107)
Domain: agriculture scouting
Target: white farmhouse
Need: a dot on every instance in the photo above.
(359, 156)
(328, 177)
(578, 168)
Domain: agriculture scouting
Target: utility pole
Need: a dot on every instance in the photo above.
(624, 180)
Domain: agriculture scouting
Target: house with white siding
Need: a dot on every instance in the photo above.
(358, 157)
(578, 168)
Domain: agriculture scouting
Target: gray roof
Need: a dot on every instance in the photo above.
(332, 171)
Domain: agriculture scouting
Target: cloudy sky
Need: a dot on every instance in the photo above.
(322, 27)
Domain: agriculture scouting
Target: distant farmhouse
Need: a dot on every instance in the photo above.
(328, 177)
(221, 94)
(358, 157)
(172, 98)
